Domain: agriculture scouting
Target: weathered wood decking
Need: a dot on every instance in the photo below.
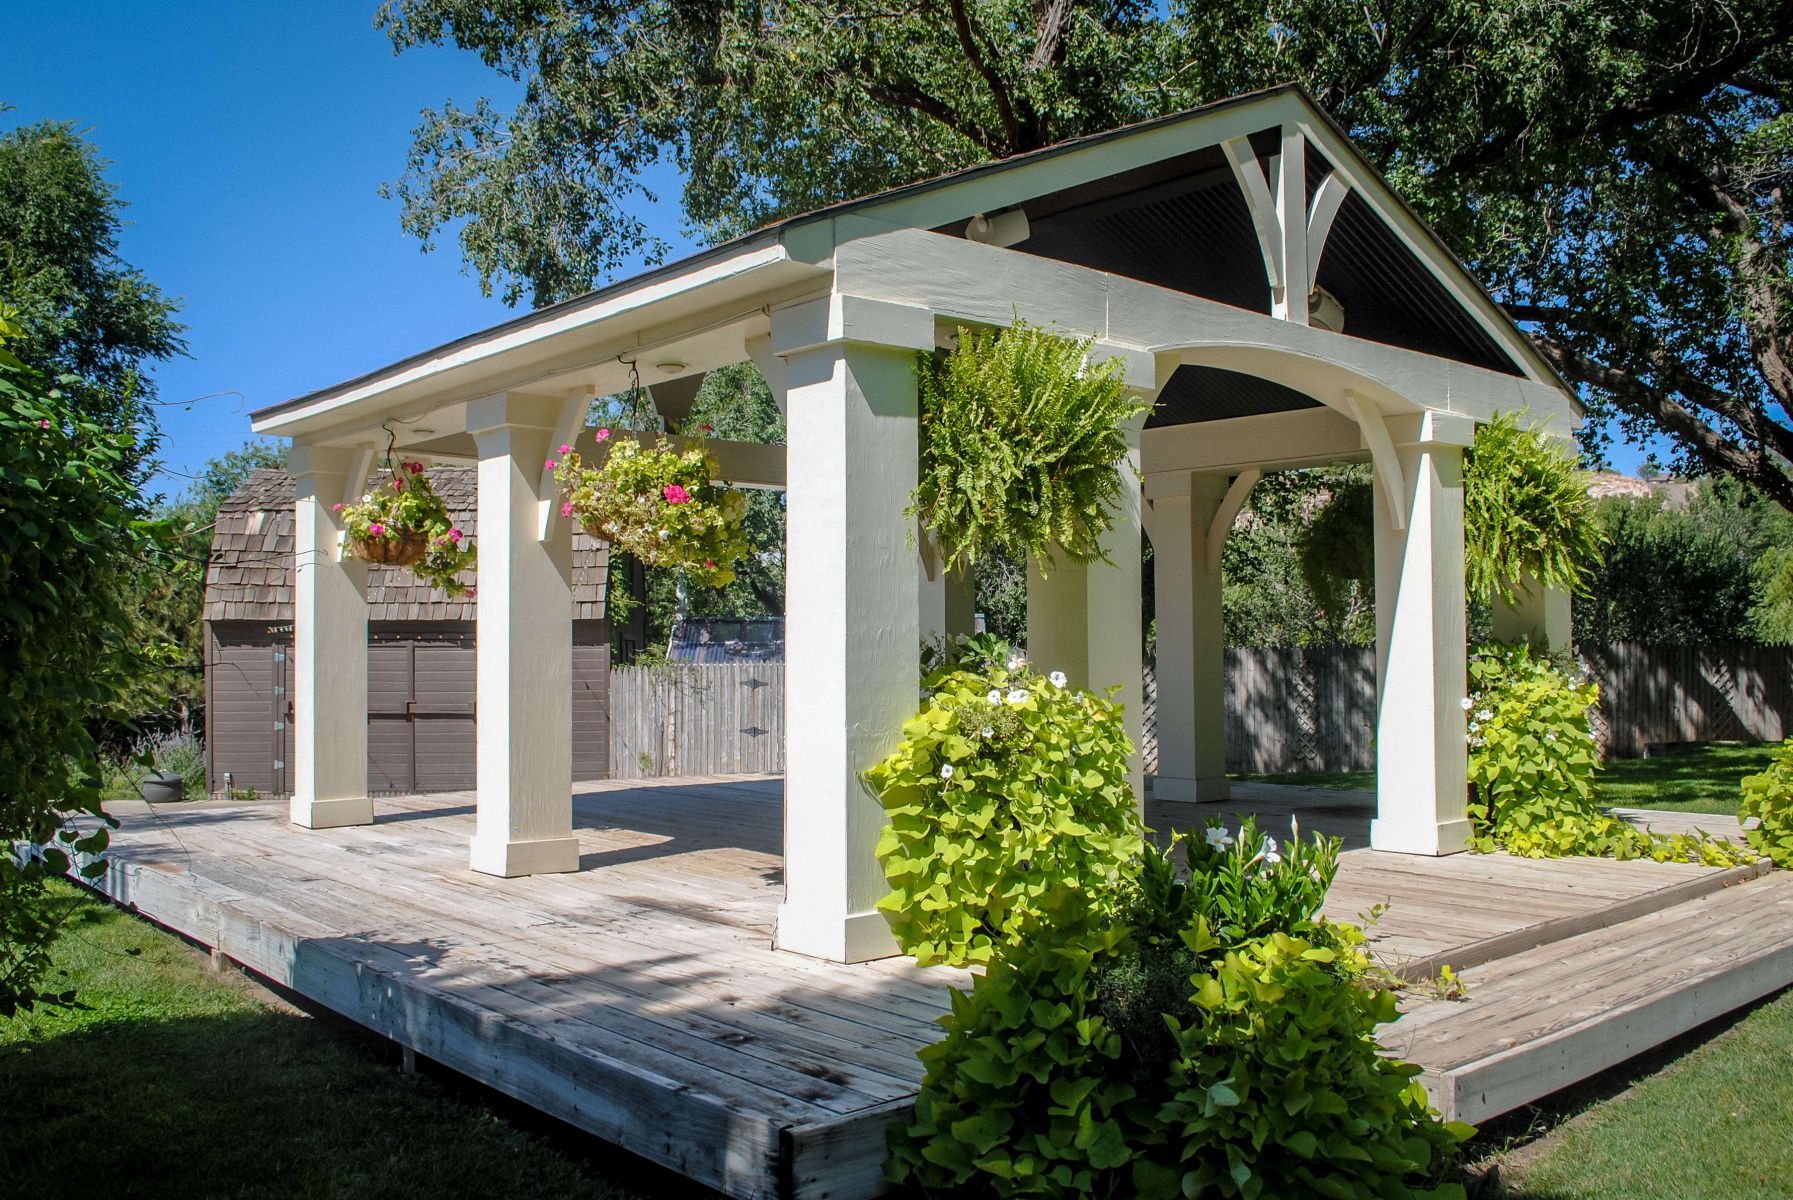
(639, 999)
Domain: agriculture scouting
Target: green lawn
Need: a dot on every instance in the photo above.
(170, 1080)
(1712, 1125)
(1702, 780)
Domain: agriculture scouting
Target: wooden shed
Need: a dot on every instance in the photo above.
(420, 669)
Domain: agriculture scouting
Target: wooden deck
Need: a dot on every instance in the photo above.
(639, 999)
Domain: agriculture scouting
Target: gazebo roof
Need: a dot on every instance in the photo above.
(1161, 201)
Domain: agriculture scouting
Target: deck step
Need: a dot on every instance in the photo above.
(1555, 1014)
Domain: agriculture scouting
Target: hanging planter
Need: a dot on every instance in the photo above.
(404, 523)
(1022, 440)
(658, 504)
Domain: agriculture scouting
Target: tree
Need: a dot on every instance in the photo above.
(85, 312)
(1616, 171)
(74, 535)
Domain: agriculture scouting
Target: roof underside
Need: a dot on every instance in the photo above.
(1182, 223)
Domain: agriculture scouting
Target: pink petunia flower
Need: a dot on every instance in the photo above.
(603, 435)
(376, 529)
(565, 449)
(676, 494)
(398, 485)
(416, 468)
(566, 510)
(454, 535)
(44, 424)
(337, 507)
(552, 464)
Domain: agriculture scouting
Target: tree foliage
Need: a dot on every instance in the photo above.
(71, 542)
(1616, 173)
(84, 312)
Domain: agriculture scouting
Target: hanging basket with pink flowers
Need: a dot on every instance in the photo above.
(404, 523)
(658, 504)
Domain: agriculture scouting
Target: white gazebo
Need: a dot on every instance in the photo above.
(1259, 282)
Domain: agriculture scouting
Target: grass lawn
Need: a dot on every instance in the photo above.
(1702, 780)
(170, 1080)
(1711, 1125)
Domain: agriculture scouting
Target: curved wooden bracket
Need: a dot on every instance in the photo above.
(566, 430)
(1320, 214)
(1382, 454)
(1230, 504)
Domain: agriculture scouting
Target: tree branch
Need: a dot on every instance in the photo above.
(999, 91)
(1051, 20)
(907, 95)
(1758, 465)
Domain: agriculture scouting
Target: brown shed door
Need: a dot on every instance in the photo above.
(246, 713)
(420, 713)
(591, 700)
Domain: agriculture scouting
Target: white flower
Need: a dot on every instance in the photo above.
(1487, 714)
(986, 731)
(1017, 661)
(995, 696)
(1218, 837)
(946, 772)
(1268, 851)
(367, 497)
(1468, 704)
(1017, 696)
(1058, 679)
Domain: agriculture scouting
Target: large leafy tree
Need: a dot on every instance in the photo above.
(1616, 169)
(84, 312)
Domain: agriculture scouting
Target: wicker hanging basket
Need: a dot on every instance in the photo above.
(400, 550)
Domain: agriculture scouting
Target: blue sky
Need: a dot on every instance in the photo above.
(250, 141)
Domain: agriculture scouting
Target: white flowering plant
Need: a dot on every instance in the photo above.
(1010, 788)
(1247, 883)
(1533, 762)
(658, 504)
(405, 523)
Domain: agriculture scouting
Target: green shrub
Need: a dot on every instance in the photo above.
(1022, 437)
(1008, 787)
(1248, 884)
(1532, 763)
(1767, 808)
(1140, 1055)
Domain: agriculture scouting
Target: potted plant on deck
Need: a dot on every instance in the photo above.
(404, 523)
(657, 503)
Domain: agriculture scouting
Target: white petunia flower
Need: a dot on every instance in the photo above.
(1018, 697)
(995, 696)
(1218, 837)
(366, 497)
(1058, 679)
(1468, 704)
(946, 772)
(986, 731)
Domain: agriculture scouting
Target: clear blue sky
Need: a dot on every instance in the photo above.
(250, 141)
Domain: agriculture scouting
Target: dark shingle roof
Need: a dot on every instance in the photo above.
(250, 575)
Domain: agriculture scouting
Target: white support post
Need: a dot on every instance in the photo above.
(1188, 521)
(1422, 759)
(329, 647)
(948, 602)
(1086, 620)
(1540, 616)
(852, 620)
(523, 823)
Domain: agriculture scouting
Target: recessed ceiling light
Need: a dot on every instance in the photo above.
(669, 367)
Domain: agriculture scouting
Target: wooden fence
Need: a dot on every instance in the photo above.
(1287, 709)
(696, 720)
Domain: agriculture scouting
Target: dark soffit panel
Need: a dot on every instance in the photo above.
(1196, 394)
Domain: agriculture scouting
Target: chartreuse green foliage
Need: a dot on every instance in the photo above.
(1022, 439)
(1150, 1056)
(1532, 762)
(1527, 514)
(1767, 808)
(1008, 788)
(73, 533)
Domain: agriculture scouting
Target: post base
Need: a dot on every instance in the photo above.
(1410, 837)
(332, 814)
(546, 856)
(860, 937)
(1191, 791)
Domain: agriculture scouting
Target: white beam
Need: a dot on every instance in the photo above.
(1289, 298)
(1271, 441)
(1261, 204)
(1320, 214)
(566, 429)
(1382, 453)
(1227, 513)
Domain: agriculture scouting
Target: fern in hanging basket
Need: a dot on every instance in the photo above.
(1527, 513)
(658, 504)
(404, 523)
(1022, 440)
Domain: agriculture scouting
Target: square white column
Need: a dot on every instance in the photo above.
(329, 648)
(1191, 659)
(1422, 757)
(852, 630)
(524, 821)
(1539, 615)
(948, 604)
(1086, 620)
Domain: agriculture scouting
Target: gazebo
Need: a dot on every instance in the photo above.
(1260, 284)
